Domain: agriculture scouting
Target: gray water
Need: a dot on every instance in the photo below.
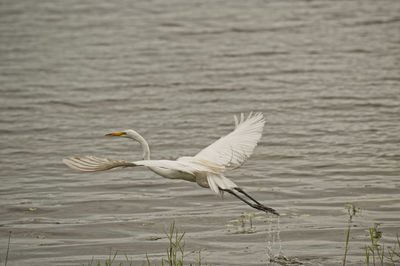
(324, 73)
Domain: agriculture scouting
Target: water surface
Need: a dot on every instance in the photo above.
(324, 73)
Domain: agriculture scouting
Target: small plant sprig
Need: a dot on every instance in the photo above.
(175, 253)
(176, 246)
(352, 211)
(110, 260)
(376, 251)
(8, 248)
(243, 225)
(394, 253)
(176, 249)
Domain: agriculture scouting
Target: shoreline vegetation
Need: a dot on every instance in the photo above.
(375, 251)
(175, 253)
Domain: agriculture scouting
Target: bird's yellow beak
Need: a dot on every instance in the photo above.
(116, 134)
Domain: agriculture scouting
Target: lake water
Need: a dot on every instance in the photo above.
(326, 75)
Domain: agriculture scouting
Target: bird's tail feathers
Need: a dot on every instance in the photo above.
(218, 182)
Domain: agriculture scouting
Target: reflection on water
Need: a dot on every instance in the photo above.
(325, 74)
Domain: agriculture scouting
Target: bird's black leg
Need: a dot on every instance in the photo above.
(247, 195)
(257, 205)
(266, 209)
(242, 199)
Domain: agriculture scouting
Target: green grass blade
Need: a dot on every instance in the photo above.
(8, 248)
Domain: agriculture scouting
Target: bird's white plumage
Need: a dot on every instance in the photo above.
(205, 168)
(216, 182)
(237, 146)
(93, 163)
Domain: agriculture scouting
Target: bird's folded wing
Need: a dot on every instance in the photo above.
(93, 164)
(237, 146)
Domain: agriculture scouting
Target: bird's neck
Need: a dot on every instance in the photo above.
(146, 151)
(145, 147)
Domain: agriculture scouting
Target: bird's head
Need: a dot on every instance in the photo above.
(117, 134)
(132, 134)
(129, 133)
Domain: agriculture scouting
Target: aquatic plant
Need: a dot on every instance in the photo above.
(352, 211)
(243, 225)
(8, 248)
(176, 249)
(374, 251)
(175, 253)
(110, 261)
(394, 252)
(176, 246)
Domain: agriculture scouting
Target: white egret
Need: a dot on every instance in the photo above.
(205, 168)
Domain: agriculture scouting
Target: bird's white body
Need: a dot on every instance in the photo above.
(205, 168)
(168, 170)
(190, 169)
(173, 174)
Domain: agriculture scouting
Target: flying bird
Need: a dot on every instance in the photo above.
(206, 168)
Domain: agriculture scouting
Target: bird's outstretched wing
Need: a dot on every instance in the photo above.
(93, 164)
(234, 148)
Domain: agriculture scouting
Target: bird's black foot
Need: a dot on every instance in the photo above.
(265, 209)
